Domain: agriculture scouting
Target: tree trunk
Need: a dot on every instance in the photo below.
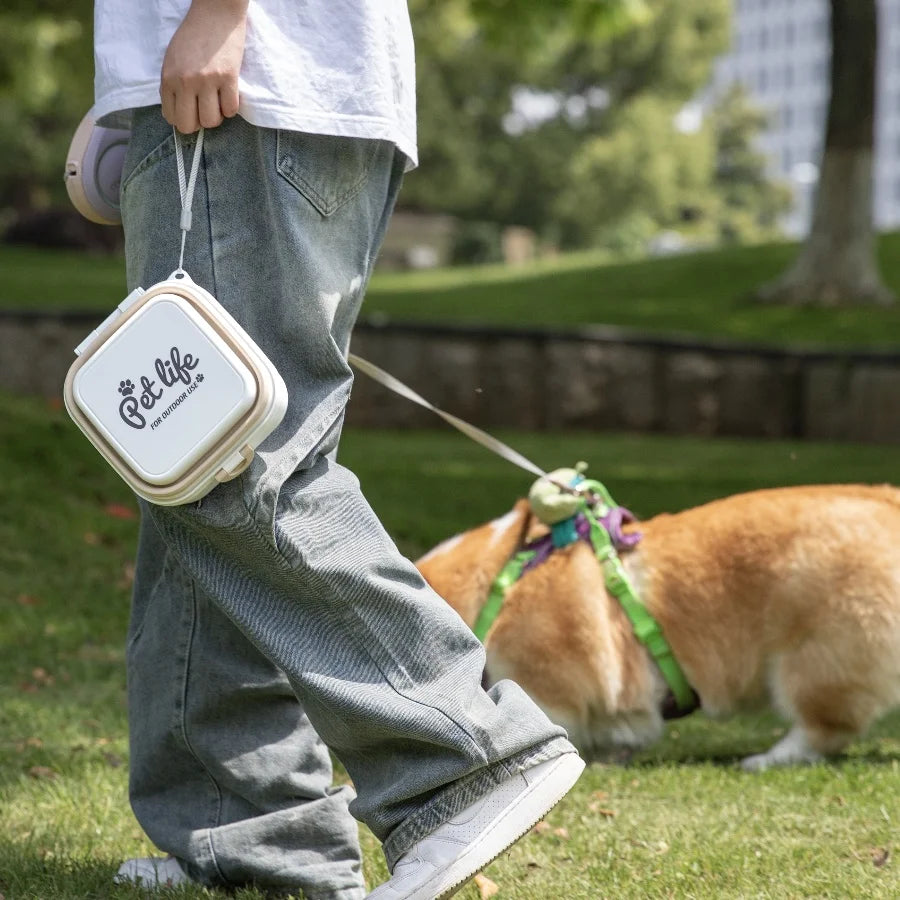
(837, 264)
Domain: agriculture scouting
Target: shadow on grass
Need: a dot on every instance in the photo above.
(33, 873)
(700, 741)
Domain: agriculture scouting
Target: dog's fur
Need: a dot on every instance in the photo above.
(788, 596)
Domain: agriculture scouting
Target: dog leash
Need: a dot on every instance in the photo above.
(476, 434)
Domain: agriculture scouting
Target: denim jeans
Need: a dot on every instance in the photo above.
(275, 619)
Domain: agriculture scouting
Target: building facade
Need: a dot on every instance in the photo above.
(780, 52)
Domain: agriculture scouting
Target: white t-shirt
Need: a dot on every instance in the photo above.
(341, 67)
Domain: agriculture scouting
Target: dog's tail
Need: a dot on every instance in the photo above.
(463, 568)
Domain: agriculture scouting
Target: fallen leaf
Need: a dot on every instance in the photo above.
(602, 810)
(599, 795)
(118, 511)
(42, 772)
(880, 857)
(562, 833)
(542, 827)
(91, 538)
(486, 887)
(27, 600)
(28, 687)
(56, 404)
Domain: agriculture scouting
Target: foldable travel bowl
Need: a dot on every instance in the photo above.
(173, 392)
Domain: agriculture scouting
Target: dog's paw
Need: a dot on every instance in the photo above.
(793, 749)
(759, 762)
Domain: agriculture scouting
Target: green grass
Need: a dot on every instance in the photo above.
(700, 293)
(681, 821)
(59, 279)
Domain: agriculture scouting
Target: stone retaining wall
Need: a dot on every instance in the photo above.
(591, 378)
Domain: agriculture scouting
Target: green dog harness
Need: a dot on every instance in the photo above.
(602, 529)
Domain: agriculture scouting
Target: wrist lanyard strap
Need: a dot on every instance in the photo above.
(186, 186)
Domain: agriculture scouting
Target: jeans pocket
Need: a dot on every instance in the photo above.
(327, 170)
(152, 141)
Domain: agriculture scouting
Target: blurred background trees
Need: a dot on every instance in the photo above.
(576, 120)
(571, 119)
(587, 122)
(46, 85)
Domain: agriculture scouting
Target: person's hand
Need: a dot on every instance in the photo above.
(199, 82)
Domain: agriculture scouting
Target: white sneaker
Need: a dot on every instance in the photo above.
(153, 872)
(443, 861)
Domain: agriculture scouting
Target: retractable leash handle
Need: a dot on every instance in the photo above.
(93, 172)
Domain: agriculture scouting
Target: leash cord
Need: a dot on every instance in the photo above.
(471, 431)
(186, 187)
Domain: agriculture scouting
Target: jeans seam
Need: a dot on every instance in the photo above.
(281, 470)
(216, 818)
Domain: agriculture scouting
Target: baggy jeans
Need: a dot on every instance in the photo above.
(275, 619)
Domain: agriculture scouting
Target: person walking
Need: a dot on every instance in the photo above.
(274, 620)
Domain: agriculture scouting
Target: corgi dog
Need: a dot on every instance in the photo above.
(788, 597)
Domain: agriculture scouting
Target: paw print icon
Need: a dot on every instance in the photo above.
(199, 378)
(126, 387)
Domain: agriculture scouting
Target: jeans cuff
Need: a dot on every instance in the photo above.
(452, 801)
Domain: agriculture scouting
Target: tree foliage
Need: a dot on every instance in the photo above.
(606, 161)
(560, 117)
(46, 68)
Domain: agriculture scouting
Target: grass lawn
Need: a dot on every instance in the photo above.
(681, 821)
(701, 293)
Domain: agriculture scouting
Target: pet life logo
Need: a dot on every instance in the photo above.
(172, 372)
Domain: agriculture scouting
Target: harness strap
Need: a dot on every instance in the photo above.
(508, 576)
(645, 627)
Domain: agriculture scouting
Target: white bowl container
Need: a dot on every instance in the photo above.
(173, 392)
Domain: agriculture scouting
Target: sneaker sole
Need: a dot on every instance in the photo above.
(513, 823)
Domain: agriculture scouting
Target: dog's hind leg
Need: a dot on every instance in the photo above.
(827, 712)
